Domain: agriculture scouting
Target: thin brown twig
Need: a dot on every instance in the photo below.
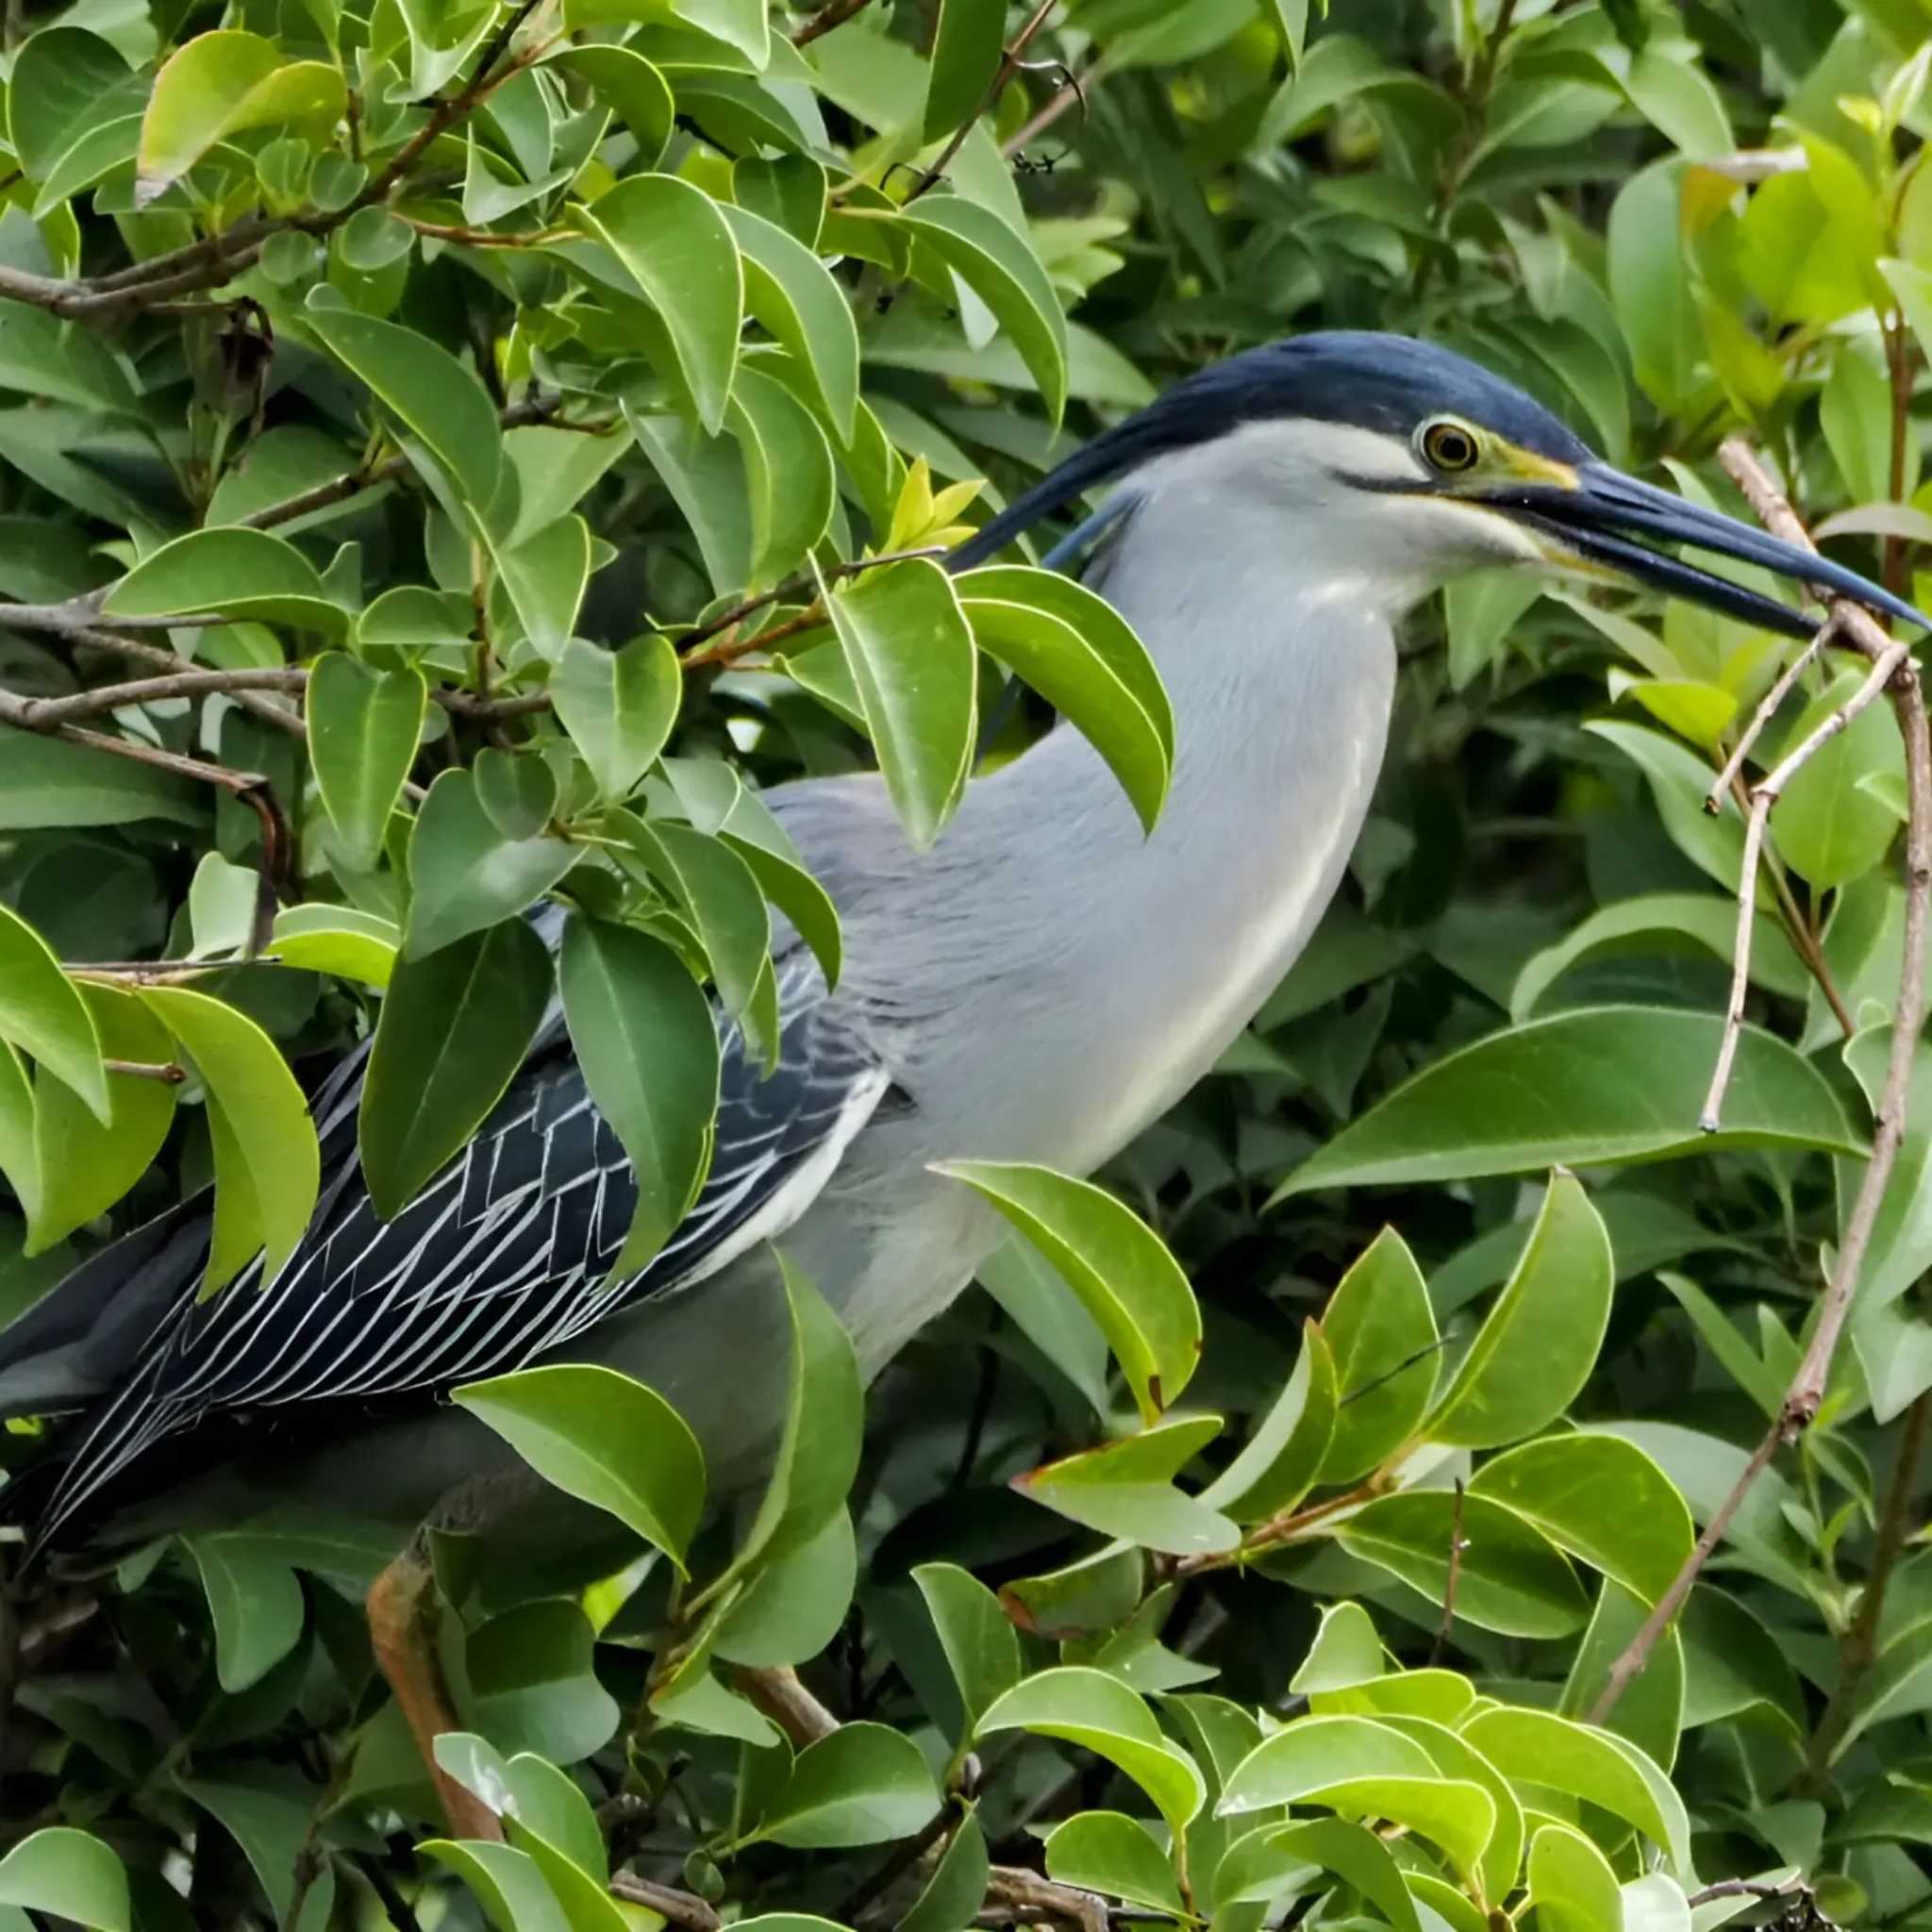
(1074, 92)
(1010, 65)
(1018, 1893)
(778, 1693)
(699, 651)
(167, 1072)
(1448, 1622)
(834, 13)
(1745, 1888)
(1767, 709)
(1805, 1392)
(684, 1909)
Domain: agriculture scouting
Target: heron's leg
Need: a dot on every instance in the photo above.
(403, 1615)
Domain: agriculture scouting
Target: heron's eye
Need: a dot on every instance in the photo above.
(1449, 446)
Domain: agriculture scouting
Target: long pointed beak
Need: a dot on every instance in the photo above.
(1597, 522)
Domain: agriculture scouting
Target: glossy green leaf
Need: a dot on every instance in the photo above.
(256, 1603)
(1537, 1344)
(453, 1028)
(957, 1888)
(42, 1012)
(602, 1437)
(908, 647)
(363, 726)
(517, 791)
(1828, 826)
(68, 1873)
(1284, 1455)
(793, 1608)
(966, 53)
(48, 781)
(678, 252)
(794, 296)
(788, 466)
(1650, 1711)
(618, 707)
(1125, 1488)
(234, 573)
(545, 577)
(1381, 1332)
(1113, 1261)
(253, 1094)
(1590, 1088)
(648, 1048)
(981, 1648)
(1346, 1652)
(1571, 1883)
(1109, 1853)
(636, 90)
(862, 1785)
(464, 875)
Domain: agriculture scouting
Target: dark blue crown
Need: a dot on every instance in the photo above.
(1370, 381)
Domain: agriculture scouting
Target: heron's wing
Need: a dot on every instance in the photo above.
(507, 1254)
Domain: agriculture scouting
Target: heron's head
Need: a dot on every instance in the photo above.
(1398, 465)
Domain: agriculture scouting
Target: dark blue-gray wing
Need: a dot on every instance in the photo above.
(507, 1254)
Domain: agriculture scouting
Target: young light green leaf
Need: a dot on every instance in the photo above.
(788, 465)
(1346, 1652)
(464, 875)
(1109, 1853)
(909, 649)
(1255, 1865)
(1829, 828)
(1281, 1459)
(1125, 1488)
(253, 1095)
(363, 726)
(648, 1046)
(1571, 1883)
(1381, 1330)
(229, 572)
(999, 266)
(223, 83)
(1118, 1266)
(975, 1632)
(453, 1028)
(862, 1785)
(605, 1439)
(69, 1875)
(618, 707)
(1312, 1753)
(1585, 1089)
(677, 249)
(1536, 1349)
(42, 1012)
(1099, 1713)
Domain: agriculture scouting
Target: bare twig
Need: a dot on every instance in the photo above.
(1858, 1647)
(684, 1909)
(1010, 63)
(1747, 1888)
(834, 13)
(168, 1074)
(1765, 794)
(1455, 1546)
(1012, 1892)
(1720, 790)
(699, 652)
(1805, 1392)
(41, 715)
(778, 1693)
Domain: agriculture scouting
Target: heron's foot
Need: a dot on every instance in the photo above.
(403, 1612)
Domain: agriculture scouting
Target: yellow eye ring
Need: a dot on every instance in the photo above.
(1449, 446)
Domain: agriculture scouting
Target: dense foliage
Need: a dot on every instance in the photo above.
(471, 415)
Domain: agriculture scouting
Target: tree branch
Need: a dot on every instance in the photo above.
(834, 13)
(1805, 1392)
(778, 1693)
(1003, 75)
(684, 1909)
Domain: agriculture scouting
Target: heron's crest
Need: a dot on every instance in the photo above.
(1365, 380)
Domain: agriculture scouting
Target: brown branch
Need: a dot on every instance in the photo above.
(1456, 1548)
(1747, 1888)
(151, 972)
(39, 714)
(1074, 91)
(168, 1074)
(1806, 1388)
(1010, 65)
(1858, 1647)
(1734, 765)
(692, 658)
(778, 1693)
(1014, 1892)
(834, 13)
(684, 1909)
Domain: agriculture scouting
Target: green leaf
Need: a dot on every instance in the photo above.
(1381, 1331)
(1118, 1266)
(956, 1889)
(1000, 267)
(1109, 1853)
(1535, 1746)
(43, 1013)
(80, 1166)
(1254, 1868)
(253, 1095)
(909, 649)
(862, 1785)
(453, 1031)
(1511, 1578)
(507, 1883)
(788, 466)
(618, 707)
(1571, 1883)
(545, 577)
(1536, 1349)
(1098, 1714)
(981, 1646)
(464, 875)
(1828, 826)
(363, 727)
(532, 1683)
(793, 1608)
(966, 54)
(1346, 1652)
(1283, 1456)
(256, 1603)
(517, 790)
(1056, 661)
(754, 832)
(1125, 1488)
(66, 84)
(68, 1873)
(648, 1047)
(1599, 1497)
(1456, 1758)
(605, 1439)
(677, 250)
(792, 294)
(46, 781)
(1651, 285)
(1587, 1088)
(429, 392)
(230, 573)
(633, 87)
(1650, 1711)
